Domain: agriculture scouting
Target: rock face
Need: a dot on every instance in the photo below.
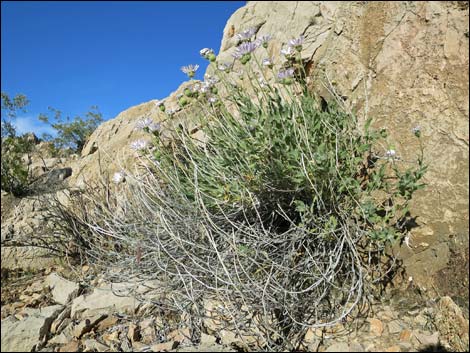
(403, 63)
(30, 332)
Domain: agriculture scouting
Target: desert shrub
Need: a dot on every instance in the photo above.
(274, 206)
(14, 172)
(71, 134)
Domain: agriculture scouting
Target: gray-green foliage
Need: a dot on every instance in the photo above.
(14, 172)
(72, 133)
(296, 160)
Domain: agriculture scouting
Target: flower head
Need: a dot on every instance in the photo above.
(154, 127)
(288, 52)
(119, 177)
(208, 54)
(416, 131)
(246, 34)
(263, 40)
(161, 105)
(268, 62)
(212, 100)
(143, 123)
(190, 70)
(297, 43)
(139, 145)
(244, 50)
(224, 67)
(285, 74)
(391, 153)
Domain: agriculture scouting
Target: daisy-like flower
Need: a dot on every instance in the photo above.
(139, 145)
(263, 40)
(119, 177)
(288, 52)
(262, 82)
(391, 153)
(208, 54)
(416, 131)
(244, 50)
(268, 62)
(190, 70)
(154, 127)
(143, 123)
(212, 100)
(172, 112)
(297, 43)
(224, 67)
(285, 76)
(246, 34)
(161, 105)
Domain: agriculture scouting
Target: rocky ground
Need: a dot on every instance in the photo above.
(45, 312)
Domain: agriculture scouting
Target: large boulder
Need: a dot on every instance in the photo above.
(405, 64)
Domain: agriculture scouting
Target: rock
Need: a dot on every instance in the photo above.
(147, 331)
(427, 340)
(405, 335)
(207, 339)
(72, 346)
(87, 325)
(395, 326)
(133, 333)
(164, 346)
(65, 314)
(376, 326)
(92, 345)
(338, 347)
(62, 290)
(452, 325)
(102, 301)
(29, 333)
(107, 323)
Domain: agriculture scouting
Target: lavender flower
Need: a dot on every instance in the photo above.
(224, 67)
(244, 50)
(416, 130)
(154, 127)
(138, 145)
(208, 54)
(246, 34)
(268, 62)
(391, 153)
(119, 177)
(285, 74)
(288, 52)
(263, 40)
(297, 43)
(161, 105)
(142, 124)
(190, 70)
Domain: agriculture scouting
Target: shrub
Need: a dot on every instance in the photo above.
(276, 207)
(14, 172)
(72, 133)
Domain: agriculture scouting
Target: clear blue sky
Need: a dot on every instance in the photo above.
(74, 54)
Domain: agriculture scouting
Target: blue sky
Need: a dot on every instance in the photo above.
(71, 55)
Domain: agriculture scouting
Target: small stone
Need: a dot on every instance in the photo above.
(72, 346)
(93, 345)
(107, 323)
(164, 346)
(207, 339)
(110, 338)
(338, 347)
(420, 320)
(405, 335)
(395, 326)
(427, 340)
(376, 326)
(133, 333)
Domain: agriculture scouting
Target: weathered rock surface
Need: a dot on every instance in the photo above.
(62, 290)
(102, 301)
(30, 332)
